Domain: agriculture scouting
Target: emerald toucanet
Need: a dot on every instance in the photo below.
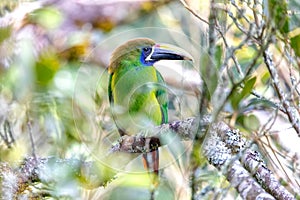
(137, 91)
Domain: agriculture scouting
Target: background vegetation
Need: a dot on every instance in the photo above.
(55, 124)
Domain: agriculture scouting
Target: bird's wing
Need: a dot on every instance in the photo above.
(162, 97)
(111, 101)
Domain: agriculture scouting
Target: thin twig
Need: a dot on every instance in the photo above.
(31, 139)
(291, 112)
(193, 12)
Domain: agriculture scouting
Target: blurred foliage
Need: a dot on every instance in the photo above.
(53, 75)
(242, 93)
(46, 67)
(7, 6)
(295, 43)
(48, 17)
(279, 15)
(5, 33)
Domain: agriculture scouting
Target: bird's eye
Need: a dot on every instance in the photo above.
(147, 50)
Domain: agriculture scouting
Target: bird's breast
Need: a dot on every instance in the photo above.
(135, 105)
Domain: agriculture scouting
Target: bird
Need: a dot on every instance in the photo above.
(137, 91)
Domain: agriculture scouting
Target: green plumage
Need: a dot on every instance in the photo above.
(137, 92)
(138, 96)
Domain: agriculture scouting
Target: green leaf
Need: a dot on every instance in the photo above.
(242, 94)
(265, 77)
(47, 17)
(209, 74)
(251, 122)
(249, 84)
(256, 103)
(4, 33)
(46, 68)
(279, 15)
(236, 98)
(218, 56)
(295, 43)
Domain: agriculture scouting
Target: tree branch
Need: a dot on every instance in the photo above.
(291, 111)
(226, 149)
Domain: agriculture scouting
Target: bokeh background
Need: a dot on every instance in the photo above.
(54, 56)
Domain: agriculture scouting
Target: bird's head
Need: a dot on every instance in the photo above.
(145, 52)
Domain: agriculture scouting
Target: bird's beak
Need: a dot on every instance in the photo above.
(168, 52)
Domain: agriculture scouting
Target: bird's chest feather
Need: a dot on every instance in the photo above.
(134, 93)
(137, 84)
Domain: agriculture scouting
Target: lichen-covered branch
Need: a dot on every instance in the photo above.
(290, 110)
(185, 129)
(226, 149)
(37, 177)
(254, 164)
(245, 184)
